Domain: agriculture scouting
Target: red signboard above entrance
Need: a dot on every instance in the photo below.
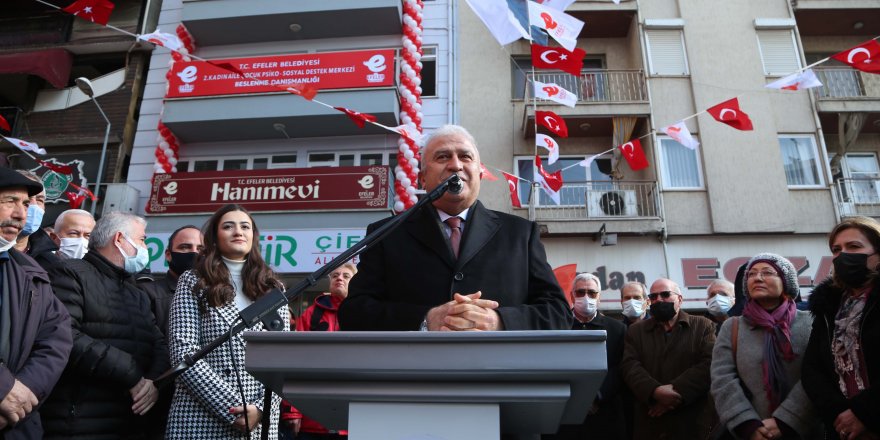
(294, 189)
(328, 70)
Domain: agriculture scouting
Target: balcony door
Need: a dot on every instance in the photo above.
(863, 172)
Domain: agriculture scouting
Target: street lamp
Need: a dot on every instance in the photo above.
(85, 86)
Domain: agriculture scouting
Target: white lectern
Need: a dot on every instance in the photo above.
(437, 385)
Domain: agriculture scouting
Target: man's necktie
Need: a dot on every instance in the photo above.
(454, 238)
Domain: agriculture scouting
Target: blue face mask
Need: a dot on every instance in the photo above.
(34, 220)
(137, 262)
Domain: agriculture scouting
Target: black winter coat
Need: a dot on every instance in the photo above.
(115, 343)
(819, 378)
(43, 250)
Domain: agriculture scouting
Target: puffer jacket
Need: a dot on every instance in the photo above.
(819, 378)
(115, 343)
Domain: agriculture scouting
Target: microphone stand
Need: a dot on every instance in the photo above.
(265, 309)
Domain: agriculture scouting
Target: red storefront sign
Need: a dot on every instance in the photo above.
(328, 70)
(292, 189)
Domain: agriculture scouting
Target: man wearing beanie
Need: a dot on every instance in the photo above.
(666, 360)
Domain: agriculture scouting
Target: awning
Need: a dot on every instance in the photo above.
(53, 65)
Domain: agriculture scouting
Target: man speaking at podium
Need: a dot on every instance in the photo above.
(455, 265)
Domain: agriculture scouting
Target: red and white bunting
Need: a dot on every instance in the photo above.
(548, 143)
(25, 145)
(796, 81)
(634, 154)
(555, 92)
(864, 57)
(551, 183)
(728, 112)
(562, 27)
(513, 186)
(680, 133)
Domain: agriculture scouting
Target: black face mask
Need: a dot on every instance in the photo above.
(852, 269)
(663, 311)
(182, 261)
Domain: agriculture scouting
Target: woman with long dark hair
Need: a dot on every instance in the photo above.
(842, 364)
(217, 398)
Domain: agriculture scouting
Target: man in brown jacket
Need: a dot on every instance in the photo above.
(666, 362)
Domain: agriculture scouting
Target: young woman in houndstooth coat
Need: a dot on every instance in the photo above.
(228, 277)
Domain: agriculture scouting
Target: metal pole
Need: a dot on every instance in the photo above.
(103, 156)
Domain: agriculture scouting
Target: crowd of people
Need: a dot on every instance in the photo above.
(85, 333)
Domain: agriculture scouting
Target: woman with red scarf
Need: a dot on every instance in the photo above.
(756, 363)
(842, 363)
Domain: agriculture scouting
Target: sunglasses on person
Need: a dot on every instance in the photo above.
(580, 293)
(664, 294)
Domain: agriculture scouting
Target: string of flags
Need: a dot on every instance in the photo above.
(502, 19)
(507, 25)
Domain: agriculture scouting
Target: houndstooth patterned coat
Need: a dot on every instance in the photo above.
(204, 394)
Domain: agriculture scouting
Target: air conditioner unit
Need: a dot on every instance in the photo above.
(612, 203)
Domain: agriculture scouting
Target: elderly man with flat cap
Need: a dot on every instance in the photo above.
(35, 332)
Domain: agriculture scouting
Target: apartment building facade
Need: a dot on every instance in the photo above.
(692, 215)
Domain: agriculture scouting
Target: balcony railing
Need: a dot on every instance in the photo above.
(599, 200)
(858, 196)
(604, 86)
(846, 83)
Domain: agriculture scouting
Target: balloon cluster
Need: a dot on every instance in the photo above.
(410, 80)
(169, 145)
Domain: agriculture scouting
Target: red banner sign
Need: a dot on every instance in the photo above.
(271, 190)
(328, 70)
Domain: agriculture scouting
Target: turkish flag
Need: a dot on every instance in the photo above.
(4, 124)
(357, 117)
(96, 11)
(552, 122)
(84, 191)
(864, 57)
(728, 112)
(75, 199)
(513, 185)
(552, 183)
(634, 155)
(486, 174)
(544, 57)
(544, 141)
(63, 169)
(305, 90)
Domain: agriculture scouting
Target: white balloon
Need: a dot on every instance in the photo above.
(408, 154)
(400, 176)
(405, 182)
(410, 190)
(164, 145)
(172, 160)
(398, 206)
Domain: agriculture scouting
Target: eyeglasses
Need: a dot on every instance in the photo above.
(664, 294)
(580, 293)
(767, 273)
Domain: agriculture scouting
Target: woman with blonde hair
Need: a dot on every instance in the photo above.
(216, 398)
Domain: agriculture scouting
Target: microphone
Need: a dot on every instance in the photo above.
(455, 185)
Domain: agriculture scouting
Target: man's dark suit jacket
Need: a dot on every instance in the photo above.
(413, 270)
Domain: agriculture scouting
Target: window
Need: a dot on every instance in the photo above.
(429, 71)
(351, 159)
(864, 175)
(800, 161)
(575, 180)
(679, 166)
(666, 54)
(237, 163)
(778, 52)
(205, 165)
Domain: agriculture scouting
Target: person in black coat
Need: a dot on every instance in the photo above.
(35, 336)
(489, 273)
(841, 367)
(605, 419)
(118, 349)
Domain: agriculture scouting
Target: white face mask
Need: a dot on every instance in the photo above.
(633, 308)
(718, 305)
(586, 306)
(74, 247)
(6, 245)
